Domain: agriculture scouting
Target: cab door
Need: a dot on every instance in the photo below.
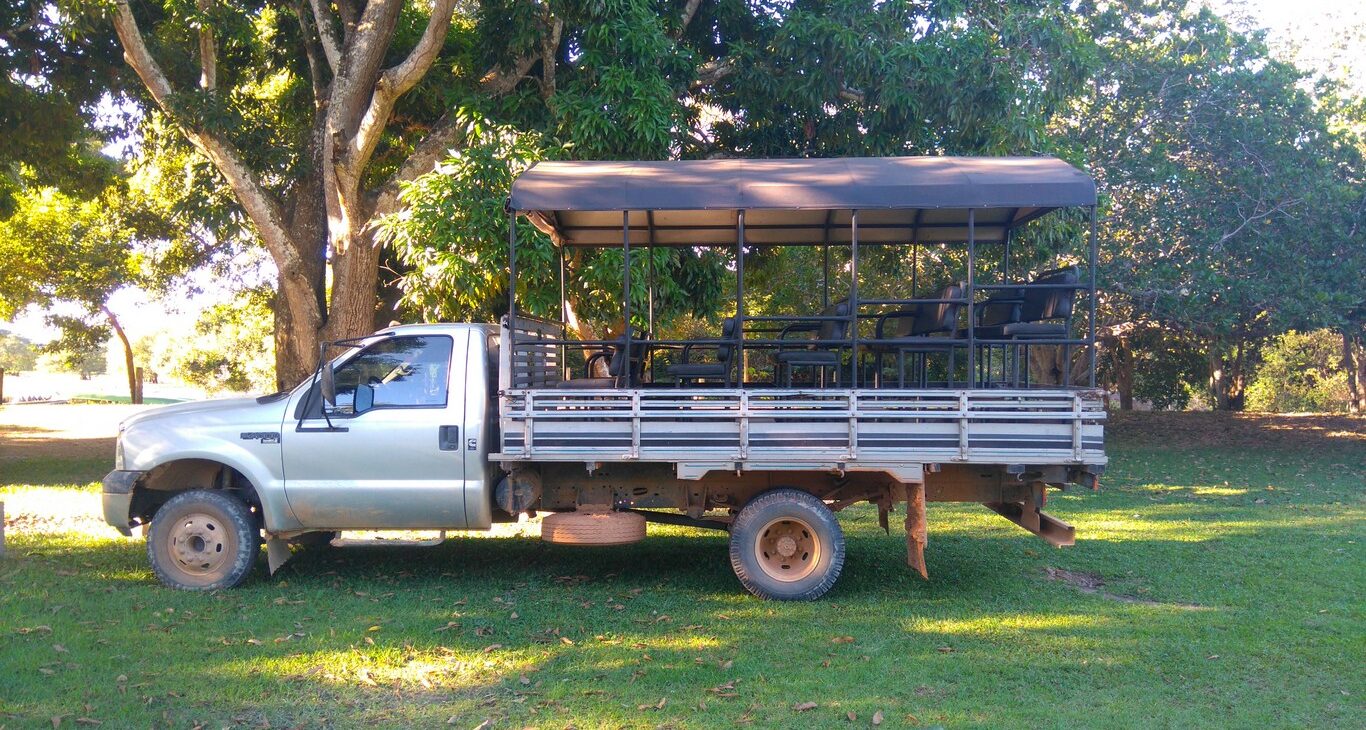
(391, 457)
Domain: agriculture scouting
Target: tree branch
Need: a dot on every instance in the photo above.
(550, 46)
(314, 52)
(500, 81)
(208, 52)
(689, 10)
(326, 33)
(397, 81)
(712, 72)
(443, 136)
(260, 206)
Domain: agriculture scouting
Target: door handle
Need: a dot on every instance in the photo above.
(448, 438)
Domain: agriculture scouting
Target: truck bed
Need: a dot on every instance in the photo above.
(895, 430)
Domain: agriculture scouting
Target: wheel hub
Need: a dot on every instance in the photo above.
(788, 549)
(200, 544)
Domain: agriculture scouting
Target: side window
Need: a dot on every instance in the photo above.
(398, 372)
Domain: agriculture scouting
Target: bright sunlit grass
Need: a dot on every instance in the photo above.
(1209, 587)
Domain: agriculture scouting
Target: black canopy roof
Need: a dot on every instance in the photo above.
(798, 201)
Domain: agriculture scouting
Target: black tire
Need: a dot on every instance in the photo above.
(203, 541)
(786, 545)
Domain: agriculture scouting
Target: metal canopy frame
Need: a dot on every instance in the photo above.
(1021, 209)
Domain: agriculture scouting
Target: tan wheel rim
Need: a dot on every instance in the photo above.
(787, 549)
(201, 545)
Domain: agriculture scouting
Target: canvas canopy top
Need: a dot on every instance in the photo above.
(795, 201)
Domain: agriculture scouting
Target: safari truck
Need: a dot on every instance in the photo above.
(947, 353)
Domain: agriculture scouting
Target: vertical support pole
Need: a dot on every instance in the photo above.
(512, 274)
(2, 386)
(853, 299)
(972, 297)
(626, 295)
(917, 529)
(740, 300)
(1091, 325)
(511, 344)
(825, 277)
(138, 380)
(650, 286)
(564, 319)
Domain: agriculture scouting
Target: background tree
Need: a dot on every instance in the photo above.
(56, 64)
(1222, 182)
(65, 250)
(17, 354)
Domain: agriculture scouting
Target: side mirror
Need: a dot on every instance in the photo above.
(365, 398)
(329, 385)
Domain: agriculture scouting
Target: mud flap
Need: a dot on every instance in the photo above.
(277, 552)
(917, 531)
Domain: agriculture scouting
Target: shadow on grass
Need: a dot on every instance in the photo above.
(56, 471)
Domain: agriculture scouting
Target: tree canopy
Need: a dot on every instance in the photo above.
(368, 145)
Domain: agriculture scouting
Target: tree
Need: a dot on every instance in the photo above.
(316, 114)
(1222, 185)
(55, 66)
(634, 81)
(16, 353)
(80, 252)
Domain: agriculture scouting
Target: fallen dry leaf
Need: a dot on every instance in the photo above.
(804, 706)
(842, 640)
(877, 718)
(850, 716)
(492, 647)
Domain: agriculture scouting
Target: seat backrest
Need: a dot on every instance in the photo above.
(1000, 308)
(616, 367)
(942, 317)
(727, 333)
(834, 329)
(1042, 303)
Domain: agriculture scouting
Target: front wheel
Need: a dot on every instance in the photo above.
(203, 540)
(786, 545)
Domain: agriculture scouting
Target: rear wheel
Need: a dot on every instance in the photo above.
(203, 541)
(786, 545)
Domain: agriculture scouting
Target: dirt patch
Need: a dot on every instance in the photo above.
(63, 431)
(1094, 584)
(1248, 430)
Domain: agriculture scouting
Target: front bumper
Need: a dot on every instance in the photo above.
(117, 498)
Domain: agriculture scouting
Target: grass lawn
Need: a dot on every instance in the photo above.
(1218, 580)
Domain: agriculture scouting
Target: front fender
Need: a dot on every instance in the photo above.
(256, 459)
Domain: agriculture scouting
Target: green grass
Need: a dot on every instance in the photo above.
(1233, 593)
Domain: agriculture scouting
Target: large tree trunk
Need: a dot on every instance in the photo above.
(1123, 359)
(1354, 365)
(1226, 378)
(332, 199)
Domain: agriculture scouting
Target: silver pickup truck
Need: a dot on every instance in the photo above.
(461, 426)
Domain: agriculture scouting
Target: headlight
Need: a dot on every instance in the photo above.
(118, 451)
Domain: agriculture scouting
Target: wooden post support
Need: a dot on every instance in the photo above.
(137, 396)
(917, 530)
(2, 529)
(2, 386)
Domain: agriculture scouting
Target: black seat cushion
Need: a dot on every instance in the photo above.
(698, 370)
(1036, 330)
(809, 357)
